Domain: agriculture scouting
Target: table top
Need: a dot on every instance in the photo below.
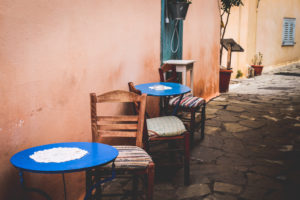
(98, 154)
(179, 62)
(173, 89)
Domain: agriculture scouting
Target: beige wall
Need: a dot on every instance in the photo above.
(269, 31)
(238, 29)
(201, 43)
(260, 30)
(54, 53)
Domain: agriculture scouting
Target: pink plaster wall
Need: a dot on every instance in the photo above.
(201, 42)
(54, 53)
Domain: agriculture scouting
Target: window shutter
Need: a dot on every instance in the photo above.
(288, 32)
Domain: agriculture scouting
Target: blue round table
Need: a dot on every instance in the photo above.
(98, 154)
(174, 89)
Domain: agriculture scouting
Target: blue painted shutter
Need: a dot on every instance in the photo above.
(288, 31)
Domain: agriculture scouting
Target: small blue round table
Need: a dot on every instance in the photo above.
(98, 154)
(173, 89)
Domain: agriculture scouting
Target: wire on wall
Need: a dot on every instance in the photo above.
(175, 32)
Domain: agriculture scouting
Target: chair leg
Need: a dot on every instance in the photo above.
(88, 181)
(203, 118)
(192, 125)
(98, 193)
(186, 158)
(134, 186)
(151, 169)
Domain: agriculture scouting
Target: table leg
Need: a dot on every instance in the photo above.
(192, 80)
(184, 76)
(89, 185)
(28, 189)
(64, 182)
(162, 106)
(177, 105)
(182, 70)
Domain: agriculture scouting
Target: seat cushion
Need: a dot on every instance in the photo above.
(130, 157)
(188, 101)
(165, 126)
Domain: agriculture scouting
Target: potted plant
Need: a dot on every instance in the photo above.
(257, 61)
(178, 8)
(224, 81)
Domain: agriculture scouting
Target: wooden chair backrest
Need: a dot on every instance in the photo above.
(166, 68)
(136, 91)
(133, 89)
(118, 126)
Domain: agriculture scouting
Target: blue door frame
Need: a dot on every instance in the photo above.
(167, 30)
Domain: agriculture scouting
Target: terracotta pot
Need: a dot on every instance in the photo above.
(257, 69)
(224, 80)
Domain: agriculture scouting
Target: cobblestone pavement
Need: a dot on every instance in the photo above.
(251, 149)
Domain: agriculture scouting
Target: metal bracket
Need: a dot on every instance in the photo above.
(113, 175)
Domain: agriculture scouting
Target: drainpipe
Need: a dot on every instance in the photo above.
(257, 5)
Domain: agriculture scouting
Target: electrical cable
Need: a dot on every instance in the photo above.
(172, 39)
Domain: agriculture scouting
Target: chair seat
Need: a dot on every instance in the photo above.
(188, 101)
(130, 157)
(165, 126)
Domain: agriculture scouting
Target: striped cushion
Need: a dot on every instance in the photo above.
(165, 126)
(188, 101)
(130, 157)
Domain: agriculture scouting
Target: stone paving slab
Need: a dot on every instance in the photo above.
(227, 188)
(193, 191)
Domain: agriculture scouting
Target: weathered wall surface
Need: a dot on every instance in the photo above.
(241, 27)
(54, 53)
(260, 30)
(201, 43)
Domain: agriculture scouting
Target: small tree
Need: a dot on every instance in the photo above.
(225, 7)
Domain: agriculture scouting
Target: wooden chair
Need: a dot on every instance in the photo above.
(188, 103)
(167, 129)
(132, 160)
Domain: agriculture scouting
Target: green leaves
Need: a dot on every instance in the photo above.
(227, 4)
